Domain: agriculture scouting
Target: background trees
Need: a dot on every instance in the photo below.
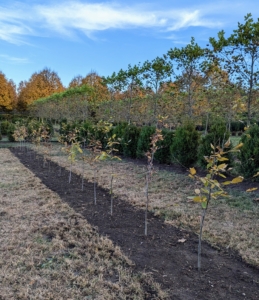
(239, 56)
(40, 85)
(7, 93)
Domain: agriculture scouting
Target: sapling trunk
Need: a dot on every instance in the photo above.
(204, 210)
(147, 201)
(70, 173)
(200, 238)
(83, 171)
(111, 196)
(95, 186)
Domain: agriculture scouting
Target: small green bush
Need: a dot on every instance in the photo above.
(130, 141)
(119, 130)
(217, 137)
(185, 144)
(163, 154)
(249, 153)
(144, 140)
(4, 126)
(84, 130)
(10, 132)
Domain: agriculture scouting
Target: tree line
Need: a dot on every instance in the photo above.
(220, 79)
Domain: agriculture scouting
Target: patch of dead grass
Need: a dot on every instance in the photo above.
(47, 251)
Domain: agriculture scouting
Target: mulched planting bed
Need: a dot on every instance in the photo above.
(172, 263)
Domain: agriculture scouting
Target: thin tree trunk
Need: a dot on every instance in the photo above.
(83, 171)
(70, 173)
(95, 186)
(200, 238)
(147, 200)
(111, 196)
(207, 123)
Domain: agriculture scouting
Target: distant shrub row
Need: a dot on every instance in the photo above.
(184, 145)
(7, 127)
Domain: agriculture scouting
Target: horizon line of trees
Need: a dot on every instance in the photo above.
(221, 77)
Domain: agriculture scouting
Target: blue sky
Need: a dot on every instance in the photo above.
(75, 37)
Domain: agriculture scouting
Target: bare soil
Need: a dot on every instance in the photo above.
(168, 253)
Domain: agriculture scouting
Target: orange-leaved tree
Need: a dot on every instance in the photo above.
(40, 85)
(7, 93)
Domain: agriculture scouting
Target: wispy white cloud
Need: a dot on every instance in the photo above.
(12, 59)
(67, 18)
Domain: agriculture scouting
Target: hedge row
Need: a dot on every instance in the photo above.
(184, 145)
(8, 127)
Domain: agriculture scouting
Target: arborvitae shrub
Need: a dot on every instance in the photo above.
(10, 132)
(163, 154)
(85, 129)
(130, 141)
(119, 130)
(4, 126)
(185, 144)
(249, 153)
(66, 128)
(144, 140)
(237, 126)
(217, 136)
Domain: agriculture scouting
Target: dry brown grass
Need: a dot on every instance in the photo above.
(225, 226)
(47, 251)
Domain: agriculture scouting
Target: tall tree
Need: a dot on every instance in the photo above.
(155, 74)
(40, 85)
(7, 93)
(191, 62)
(92, 79)
(239, 56)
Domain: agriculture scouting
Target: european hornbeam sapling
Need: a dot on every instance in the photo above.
(155, 138)
(211, 187)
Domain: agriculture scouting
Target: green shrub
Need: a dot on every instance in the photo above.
(217, 137)
(185, 144)
(144, 140)
(10, 132)
(249, 153)
(237, 126)
(84, 130)
(4, 126)
(130, 141)
(163, 154)
(119, 130)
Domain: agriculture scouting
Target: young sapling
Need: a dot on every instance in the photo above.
(211, 187)
(155, 138)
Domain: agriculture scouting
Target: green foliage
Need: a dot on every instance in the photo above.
(237, 126)
(144, 140)
(10, 132)
(162, 154)
(84, 131)
(249, 153)
(130, 141)
(67, 128)
(102, 132)
(185, 144)
(119, 131)
(4, 126)
(217, 137)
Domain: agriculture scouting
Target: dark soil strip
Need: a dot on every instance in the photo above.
(172, 263)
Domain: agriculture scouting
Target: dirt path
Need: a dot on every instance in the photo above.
(172, 263)
(50, 252)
